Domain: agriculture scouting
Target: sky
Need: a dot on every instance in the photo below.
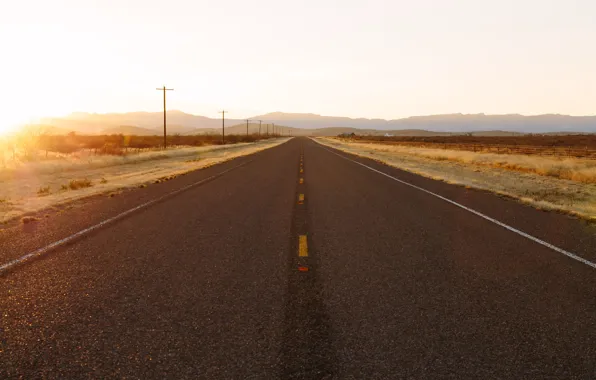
(368, 58)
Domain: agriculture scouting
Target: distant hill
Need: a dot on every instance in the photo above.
(461, 123)
(316, 125)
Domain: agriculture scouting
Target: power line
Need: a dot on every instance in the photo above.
(223, 124)
(164, 89)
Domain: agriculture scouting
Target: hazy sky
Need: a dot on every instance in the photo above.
(373, 58)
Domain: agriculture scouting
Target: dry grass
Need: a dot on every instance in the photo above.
(42, 191)
(34, 144)
(76, 184)
(570, 168)
(546, 183)
(580, 141)
(29, 219)
(19, 186)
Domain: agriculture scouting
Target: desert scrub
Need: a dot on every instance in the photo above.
(574, 169)
(76, 184)
(543, 182)
(29, 219)
(43, 191)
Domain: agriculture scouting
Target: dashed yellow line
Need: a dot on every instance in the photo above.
(302, 246)
(301, 180)
(300, 198)
(301, 170)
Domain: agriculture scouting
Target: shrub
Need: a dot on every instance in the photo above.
(43, 191)
(76, 184)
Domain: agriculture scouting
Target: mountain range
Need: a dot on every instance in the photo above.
(178, 122)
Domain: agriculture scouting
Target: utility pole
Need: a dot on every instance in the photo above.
(267, 129)
(260, 121)
(223, 125)
(164, 89)
(247, 120)
(273, 129)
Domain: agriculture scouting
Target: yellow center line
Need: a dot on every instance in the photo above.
(301, 180)
(301, 198)
(301, 170)
(302, 246)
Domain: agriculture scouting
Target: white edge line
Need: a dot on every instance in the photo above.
(72, 237)
(506, 226)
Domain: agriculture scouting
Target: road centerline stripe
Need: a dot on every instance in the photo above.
(478, 213)
(302, 246)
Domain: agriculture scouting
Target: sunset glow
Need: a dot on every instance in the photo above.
(385, 59)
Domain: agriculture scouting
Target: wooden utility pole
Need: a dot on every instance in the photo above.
(260, 121)
(273, 129)
(223, 125)
(164, 89)
(247, 120)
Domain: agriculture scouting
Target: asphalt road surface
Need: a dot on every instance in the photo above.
(231, 274)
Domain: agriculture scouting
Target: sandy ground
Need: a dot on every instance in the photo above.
(19, 186)
(543, 191)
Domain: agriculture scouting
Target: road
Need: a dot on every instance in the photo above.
(231, 275)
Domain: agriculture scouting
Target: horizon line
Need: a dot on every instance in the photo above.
(314, 114)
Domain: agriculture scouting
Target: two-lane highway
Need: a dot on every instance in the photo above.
(302, 263)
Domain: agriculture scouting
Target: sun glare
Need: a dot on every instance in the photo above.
(10, 126)
(15, 118)
(13, 121)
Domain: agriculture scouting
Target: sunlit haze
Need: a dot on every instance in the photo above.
(375, 59)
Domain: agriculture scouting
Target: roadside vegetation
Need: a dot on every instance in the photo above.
(34, 145)
(28, 186)
(576, 146)
(564, 184)
(580, 170)
(43, 191)
(76, 184)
